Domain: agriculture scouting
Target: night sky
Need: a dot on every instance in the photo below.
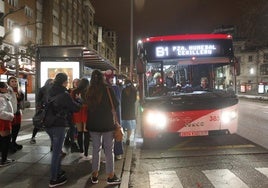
(162, 17)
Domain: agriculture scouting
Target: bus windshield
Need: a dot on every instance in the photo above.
(165, 78)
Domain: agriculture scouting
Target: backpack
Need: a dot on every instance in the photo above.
(39, 119)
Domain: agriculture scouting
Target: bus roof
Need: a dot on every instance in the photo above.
(187, 37)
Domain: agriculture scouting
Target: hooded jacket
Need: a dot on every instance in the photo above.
(62, 106)
(6, 109)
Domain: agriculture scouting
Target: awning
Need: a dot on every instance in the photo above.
(93, 60)
(89, 57)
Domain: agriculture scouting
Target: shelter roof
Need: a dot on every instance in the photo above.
(90, 57)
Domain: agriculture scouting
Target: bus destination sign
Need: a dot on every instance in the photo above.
(158, 50)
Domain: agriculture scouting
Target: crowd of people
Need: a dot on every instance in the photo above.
(80, 116)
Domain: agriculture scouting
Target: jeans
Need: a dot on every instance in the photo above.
(56, 135)
(105, 140)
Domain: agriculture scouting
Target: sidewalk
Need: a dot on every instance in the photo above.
(32, 166)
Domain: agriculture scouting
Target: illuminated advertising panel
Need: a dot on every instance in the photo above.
(49, 69)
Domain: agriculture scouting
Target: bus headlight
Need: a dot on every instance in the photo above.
(228, 116)
(157, 119)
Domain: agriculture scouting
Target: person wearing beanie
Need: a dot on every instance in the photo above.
(6, 117)
(109, 78)
(62, 108)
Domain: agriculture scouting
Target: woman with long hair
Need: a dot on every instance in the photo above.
(80, 119)
(101, 126)
(109, 78)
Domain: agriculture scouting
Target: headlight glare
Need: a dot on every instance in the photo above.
(227, 116)
(158, 119)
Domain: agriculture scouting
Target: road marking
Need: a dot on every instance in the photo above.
(263, 171)
(224, 178)
(176, 148)
(28, 136)
(29, 119)
(164, 179)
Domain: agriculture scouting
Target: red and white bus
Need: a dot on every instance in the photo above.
(182, 108)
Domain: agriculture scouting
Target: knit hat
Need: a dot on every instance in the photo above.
(108, 75)
(60, 78)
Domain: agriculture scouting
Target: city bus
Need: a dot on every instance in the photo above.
(183, 108)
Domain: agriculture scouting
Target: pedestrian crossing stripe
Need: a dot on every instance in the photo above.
(264, 171)
(224, 178)
(167, 179)
(179, 148)
(220, 178)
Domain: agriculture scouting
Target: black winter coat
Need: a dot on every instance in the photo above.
(62, 106)
(100, 119)
(128, 104)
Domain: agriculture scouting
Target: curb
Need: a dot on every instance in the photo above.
(126, 168)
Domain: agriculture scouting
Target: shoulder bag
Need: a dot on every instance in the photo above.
(119, 132)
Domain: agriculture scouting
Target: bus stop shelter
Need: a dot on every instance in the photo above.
(75, 60)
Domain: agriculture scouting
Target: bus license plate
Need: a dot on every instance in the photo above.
(194, 133)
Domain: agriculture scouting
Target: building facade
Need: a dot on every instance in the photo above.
(52, 22)
(253, 78)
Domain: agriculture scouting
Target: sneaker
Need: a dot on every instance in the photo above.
(114, 180)
(118, 157)
(87, 158)
(61, 174)
(81, 154)
(94, 180)
(60, 181)
(18, 146)
(7, 162)
(32, 141)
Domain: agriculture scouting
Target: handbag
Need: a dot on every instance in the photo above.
(119, 132)
(39, 118)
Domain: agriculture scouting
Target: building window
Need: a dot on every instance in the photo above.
(28, 33)
(10, 24)
(14, 3)
(2, 20)
(265, 57)
(264, 69)
(250, 58)
(28, 11)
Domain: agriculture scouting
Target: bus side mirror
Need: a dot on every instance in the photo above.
(140, 66)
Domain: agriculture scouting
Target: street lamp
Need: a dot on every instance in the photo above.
(131, 41)
(16, 40)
